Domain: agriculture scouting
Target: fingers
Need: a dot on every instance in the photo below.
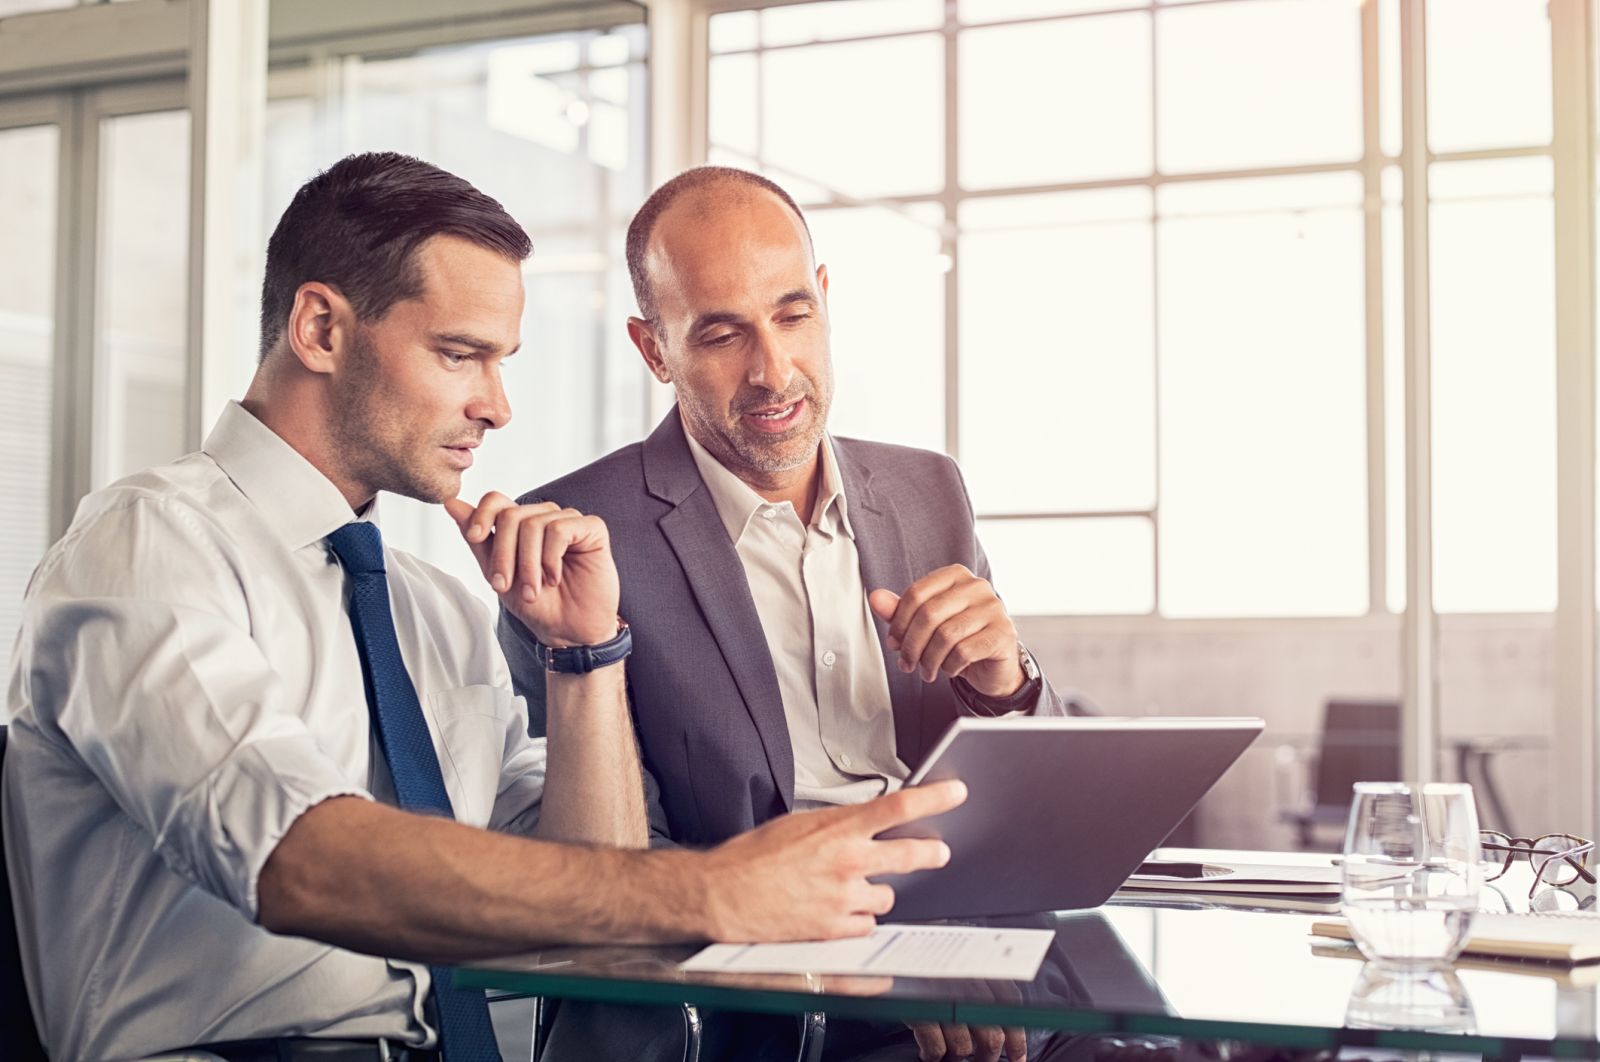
(987, 1040)
(508, 530)
(957, 1040)
(875, 899)
(883, 603)
(460, 511)
(945, 622)
(954, 606)
(959, 642)
(476, 521)
(529, 574)
(930, 1042)
(908, 805)
(521, 547)
(569, 532)
(918, 594)
(1016, 1044)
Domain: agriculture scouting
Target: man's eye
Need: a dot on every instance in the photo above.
(455, 357)
(720, 340)
(796, 317)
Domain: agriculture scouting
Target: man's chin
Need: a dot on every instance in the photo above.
(433, 491)
(779, 455)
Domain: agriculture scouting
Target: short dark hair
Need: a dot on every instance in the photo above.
(693, 180)
(357, 225)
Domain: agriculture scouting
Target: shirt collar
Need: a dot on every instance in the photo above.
(294, 498)
(736, 502)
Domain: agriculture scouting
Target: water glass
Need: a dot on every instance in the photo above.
(1411, 871)
(1428, 1000)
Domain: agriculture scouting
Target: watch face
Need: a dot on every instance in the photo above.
(1030, 666)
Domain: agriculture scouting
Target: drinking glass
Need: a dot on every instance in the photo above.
(1411, 871)
(1429, 1000)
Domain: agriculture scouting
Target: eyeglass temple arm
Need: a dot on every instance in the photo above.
(1576, 850)
(1583, 871)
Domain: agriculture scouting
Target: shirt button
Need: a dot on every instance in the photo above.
(844, 760)
(770, 514)
(829, 658)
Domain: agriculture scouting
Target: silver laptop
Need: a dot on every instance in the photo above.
(1059, 811)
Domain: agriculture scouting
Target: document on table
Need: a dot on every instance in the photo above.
(894, 951)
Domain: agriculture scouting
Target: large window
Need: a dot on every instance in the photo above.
(27, 333)
(553, 127)
(1134, 264)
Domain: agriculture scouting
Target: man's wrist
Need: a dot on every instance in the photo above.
(685, 882)
(567, 657)
(1023, 696)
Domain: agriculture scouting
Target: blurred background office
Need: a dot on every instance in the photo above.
(1263, 329)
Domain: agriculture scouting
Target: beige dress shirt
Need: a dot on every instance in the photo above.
(186, 684)
(806, 582)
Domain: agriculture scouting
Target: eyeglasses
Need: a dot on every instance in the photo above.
(1557, 858)
(1548, 900)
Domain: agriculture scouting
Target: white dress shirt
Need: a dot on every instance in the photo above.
(806, 582)
(185, 685)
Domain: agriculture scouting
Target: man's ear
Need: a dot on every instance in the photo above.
(320, 326)
(822, 281)
(643, 335)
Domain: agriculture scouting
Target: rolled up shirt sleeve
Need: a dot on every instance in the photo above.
(517, 803)
(148, 672)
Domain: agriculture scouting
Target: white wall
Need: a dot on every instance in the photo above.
(1495, 680)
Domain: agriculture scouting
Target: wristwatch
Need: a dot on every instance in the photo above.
(1024, 696)
(582, 659)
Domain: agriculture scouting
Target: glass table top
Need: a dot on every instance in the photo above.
(1148, 965)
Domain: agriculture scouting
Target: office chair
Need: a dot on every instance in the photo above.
(1360, 743)
(16, 1016)
(813, 1031)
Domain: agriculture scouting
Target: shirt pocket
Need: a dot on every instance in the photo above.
(471, 722)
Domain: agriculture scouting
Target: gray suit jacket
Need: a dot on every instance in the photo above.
(705, 697)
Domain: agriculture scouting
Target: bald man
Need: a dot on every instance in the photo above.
(810, 612)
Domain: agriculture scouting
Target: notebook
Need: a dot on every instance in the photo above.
(1200, 900)
(1583, 975)
(1553, 936)
(1221, 877)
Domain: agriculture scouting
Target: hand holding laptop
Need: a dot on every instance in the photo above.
(1062, 809)
(805, 876)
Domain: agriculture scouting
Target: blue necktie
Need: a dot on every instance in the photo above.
(465, 1034)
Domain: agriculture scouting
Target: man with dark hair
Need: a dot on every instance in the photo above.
(819, 609)
(266, 774)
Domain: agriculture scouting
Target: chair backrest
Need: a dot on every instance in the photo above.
(17, 1031)
(1360, 743)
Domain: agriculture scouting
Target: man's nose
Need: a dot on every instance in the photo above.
(490, 403)
(771, 366)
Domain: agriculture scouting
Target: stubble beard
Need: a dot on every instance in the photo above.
(374, 439)
(765, 455)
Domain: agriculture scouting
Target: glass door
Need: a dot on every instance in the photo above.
(140, 144)
(30, 143)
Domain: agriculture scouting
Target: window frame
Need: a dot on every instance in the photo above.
(1369, 167)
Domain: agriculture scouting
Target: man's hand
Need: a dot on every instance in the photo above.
(551, 566)
(946, 1042)
(804, 876)
(951, 621)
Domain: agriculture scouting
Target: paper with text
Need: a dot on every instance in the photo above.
(894, 951)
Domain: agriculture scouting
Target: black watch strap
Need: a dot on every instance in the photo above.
(582, 659)
(1024, 696)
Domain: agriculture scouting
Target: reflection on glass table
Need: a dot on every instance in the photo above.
(1433, 1000)
(1187, 970)
(1315, 794)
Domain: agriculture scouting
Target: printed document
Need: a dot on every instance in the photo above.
(894, 951)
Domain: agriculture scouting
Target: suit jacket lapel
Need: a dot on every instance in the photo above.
(884, 565)
(716, 575)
